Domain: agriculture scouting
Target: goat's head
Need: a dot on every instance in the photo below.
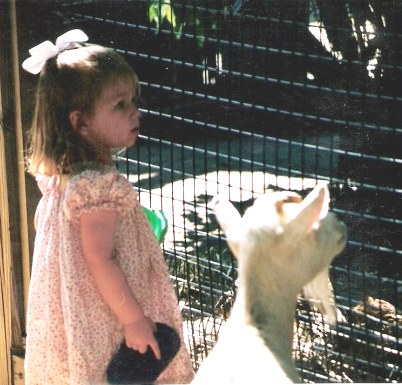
(286, 241)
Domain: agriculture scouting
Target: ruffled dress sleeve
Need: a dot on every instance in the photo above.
(98, 190)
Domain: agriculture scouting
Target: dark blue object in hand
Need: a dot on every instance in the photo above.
(128, 366)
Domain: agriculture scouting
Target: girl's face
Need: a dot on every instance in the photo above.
(115, 121)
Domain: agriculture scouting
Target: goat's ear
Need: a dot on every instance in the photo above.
(229, 220)
(313, 208)
(285, 197)
(226, 214)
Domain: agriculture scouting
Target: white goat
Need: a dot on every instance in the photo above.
(282, 243)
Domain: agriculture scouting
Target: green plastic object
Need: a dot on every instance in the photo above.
(158, 222)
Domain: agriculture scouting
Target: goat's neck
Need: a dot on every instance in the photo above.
(267, 302)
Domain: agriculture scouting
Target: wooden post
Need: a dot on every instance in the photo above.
(23, 218)
(14, 249)
(5, 267)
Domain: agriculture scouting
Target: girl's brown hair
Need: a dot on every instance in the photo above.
(71, 81)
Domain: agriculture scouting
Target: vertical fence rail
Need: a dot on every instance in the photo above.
(5, 271)
(23, 217)
(14, 230)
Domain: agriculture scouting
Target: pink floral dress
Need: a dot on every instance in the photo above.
(71, 331)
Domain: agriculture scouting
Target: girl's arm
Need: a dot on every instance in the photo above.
(98, 231)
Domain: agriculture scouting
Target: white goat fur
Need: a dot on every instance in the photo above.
(282, 244)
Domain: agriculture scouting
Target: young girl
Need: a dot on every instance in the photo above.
(98, 274)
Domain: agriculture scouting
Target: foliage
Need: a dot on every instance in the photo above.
(161, 10)
(188, 21)
(354, 30)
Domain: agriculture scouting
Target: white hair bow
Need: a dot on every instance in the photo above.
(46, 50)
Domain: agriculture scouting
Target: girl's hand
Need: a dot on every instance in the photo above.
(140, 334)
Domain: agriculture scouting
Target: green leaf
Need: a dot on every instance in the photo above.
(200, 41)
(168, 13)
(153, 14)
(178, 30)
